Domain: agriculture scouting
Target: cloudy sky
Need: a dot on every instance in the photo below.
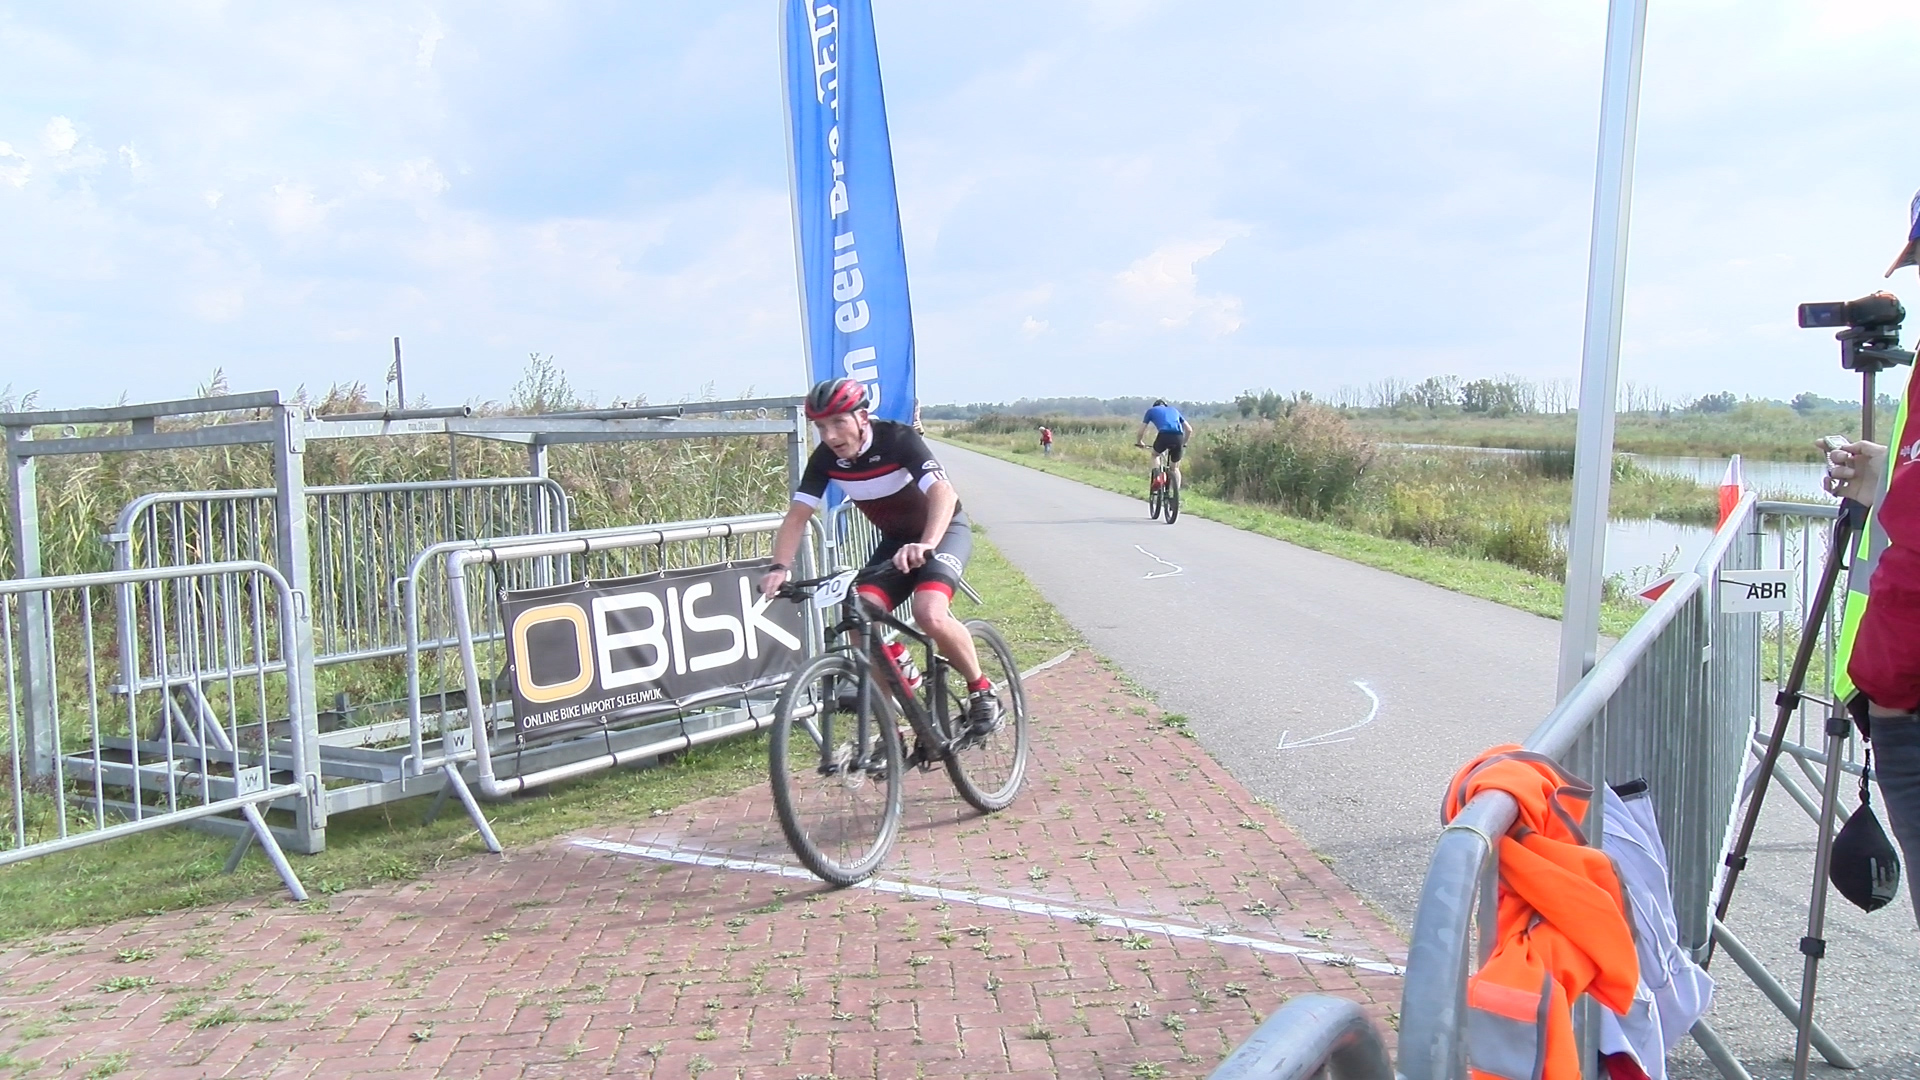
(1100, 196)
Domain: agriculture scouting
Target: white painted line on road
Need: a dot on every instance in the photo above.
(1164, 573)
(1045, 664)
(1328, 739)
(996, 902)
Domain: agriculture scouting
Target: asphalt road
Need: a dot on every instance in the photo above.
(1258, 641)
(1346, 696)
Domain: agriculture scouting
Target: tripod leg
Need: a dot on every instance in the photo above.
(1814, 945)
(1764, 981)
(1845, 532)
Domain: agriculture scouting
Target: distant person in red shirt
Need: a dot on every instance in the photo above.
(1046, 439)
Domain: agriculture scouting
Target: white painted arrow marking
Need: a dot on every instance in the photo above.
(1164, 573)
(1328, 738)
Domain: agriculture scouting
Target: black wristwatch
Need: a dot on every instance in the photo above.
(777, 566)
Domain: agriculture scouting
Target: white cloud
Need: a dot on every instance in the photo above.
(430, 40)
(15, 169)
(292, 208)
(1033, 327)
(217, 305)
(212, 197)
(421, 174)
(61, 136)
(136, 166)
(1163, 286)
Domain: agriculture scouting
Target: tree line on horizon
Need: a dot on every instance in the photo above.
(1429, 398)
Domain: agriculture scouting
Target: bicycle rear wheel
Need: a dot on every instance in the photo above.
(1172, 506)
(839, 805)
(987, 770)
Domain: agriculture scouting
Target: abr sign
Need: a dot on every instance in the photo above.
(1756, 590)
(601, 651)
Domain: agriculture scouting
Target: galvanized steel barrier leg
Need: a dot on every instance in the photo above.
(1782, 1000)
(458, 785)
(1717, 1052)
(269, 845)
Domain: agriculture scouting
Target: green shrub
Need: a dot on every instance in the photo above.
(1005, 424)
(1308, 462)
(1521, 537)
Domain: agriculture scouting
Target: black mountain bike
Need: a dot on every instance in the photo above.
(1162, 495)
(839, 754)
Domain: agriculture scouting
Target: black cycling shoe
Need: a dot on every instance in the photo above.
(984, 716)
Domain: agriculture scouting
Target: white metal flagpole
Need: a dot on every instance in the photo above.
(1600, 353)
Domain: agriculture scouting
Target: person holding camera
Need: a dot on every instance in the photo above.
(1883, 662)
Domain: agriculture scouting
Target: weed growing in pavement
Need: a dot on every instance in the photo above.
(225, 1014)
(125, 982)
(107, 1066)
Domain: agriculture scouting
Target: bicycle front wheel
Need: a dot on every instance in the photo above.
(836, 775)
(988, 768)
(1153, 498)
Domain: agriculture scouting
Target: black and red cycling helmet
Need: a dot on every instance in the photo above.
(834, 397)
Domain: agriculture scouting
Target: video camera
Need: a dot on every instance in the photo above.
(1871, 339)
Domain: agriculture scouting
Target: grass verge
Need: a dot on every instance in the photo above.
(179, 868)
(1483, 578)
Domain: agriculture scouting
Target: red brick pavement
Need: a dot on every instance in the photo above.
(561, 961)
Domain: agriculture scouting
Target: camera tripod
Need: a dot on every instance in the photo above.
(1868, 350)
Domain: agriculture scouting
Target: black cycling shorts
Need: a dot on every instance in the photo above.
(1172, 443)
(883, 583)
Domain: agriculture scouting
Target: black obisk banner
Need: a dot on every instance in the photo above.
(602, 651)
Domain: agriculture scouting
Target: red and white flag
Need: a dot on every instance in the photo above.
(1731, 487)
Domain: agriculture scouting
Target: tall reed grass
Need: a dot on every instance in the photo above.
(81, 495)
(1314, 463)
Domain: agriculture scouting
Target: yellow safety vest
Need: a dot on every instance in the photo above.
(1866, 556)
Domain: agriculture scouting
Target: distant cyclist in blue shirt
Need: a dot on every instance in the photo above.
(1173, 433)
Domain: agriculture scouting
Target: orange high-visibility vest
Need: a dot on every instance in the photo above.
(1563, 927)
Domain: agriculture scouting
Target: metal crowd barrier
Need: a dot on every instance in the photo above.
(1798, 535)
(1312, 1037)
(1675, 702)
(461, 633)
(348, 551)
(93, 756)
(363, 539)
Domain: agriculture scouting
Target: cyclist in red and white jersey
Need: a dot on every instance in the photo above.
(888, 472)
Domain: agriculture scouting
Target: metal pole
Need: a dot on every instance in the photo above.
(399, 376)
(1814, 945)
(542, 523)
(292, 551)
(1600, 352)
(23, 490)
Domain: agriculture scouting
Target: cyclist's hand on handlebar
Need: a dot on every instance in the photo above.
(770, 585)
(911, 557)
(1140, 445)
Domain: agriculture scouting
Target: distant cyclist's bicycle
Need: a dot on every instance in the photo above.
(1163, 495)
(838, 753)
